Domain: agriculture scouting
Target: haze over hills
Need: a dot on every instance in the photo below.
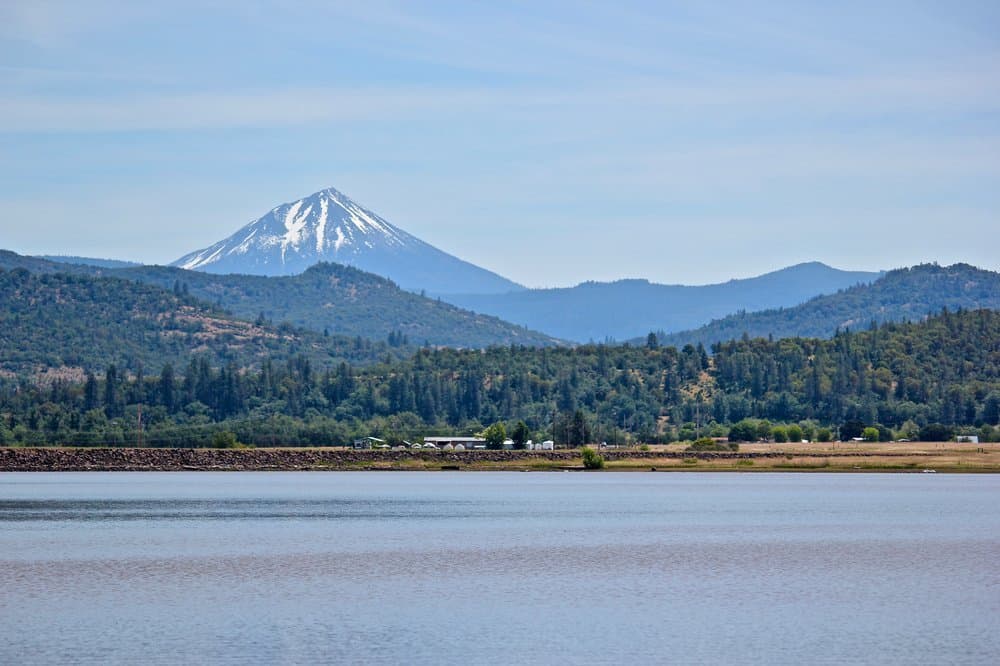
(591, 311)
(89, 261)
(630, 308)
(902, 294)
(326, 298)
(343, 300)
(329, 226)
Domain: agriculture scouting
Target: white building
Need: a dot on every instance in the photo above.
(466, 442)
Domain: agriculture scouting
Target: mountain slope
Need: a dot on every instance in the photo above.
(72, 323)
(347, 301)
(89, 261)
(903, 294)
(326, 298)
(11, 260)
(631, 308)
(329, 226)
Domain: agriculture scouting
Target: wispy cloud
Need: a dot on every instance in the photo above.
(56, 23)
(905, 94)
(274, 108)
(682, 123)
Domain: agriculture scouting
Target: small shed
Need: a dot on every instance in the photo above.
(368, 442)
(968, 439)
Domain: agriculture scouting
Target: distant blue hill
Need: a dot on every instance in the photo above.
(632, 308)
(89, 261)
(903, 294)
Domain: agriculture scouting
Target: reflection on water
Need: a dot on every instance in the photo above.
(231, 509)
(480, 568)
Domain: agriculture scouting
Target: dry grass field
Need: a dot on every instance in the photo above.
(913, 457)
(813, 457)
(834, 457)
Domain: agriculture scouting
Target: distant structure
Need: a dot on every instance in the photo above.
(464, 442)
(968, 439)
(368, 443)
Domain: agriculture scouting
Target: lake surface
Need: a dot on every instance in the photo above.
(499, 568)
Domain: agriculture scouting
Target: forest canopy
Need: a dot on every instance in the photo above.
(900, 377)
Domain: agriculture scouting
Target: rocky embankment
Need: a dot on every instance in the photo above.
(130, 459)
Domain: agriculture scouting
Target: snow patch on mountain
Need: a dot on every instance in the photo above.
(329, 226)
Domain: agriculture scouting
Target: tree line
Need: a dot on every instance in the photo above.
(895, 377)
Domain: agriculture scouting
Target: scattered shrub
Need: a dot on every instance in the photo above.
(709, 444)
(591, 459)
(744, 431)
(227, 440)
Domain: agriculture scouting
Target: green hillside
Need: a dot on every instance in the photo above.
(327, 298)
(899, 377)
(68, 324)
(901, 295)
(343, 300)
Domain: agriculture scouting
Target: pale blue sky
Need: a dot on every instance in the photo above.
(552, 142)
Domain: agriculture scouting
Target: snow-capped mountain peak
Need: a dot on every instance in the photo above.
(321, 226)
(329, 226)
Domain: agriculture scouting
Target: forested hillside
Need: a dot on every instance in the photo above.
(906, 294)
(898, 376)
(344, 300)
(65, 325)
(329, 298)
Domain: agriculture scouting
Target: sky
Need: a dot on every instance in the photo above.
(551, 142)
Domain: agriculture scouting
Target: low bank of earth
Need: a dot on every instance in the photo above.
(838, 457)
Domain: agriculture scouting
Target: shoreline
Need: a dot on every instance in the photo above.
(954, 459)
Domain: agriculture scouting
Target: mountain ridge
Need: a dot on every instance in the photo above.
(63, 324)
(89, 261)
(327, 297)
(629, 308)
(901, 294)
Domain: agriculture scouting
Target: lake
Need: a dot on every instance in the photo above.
(499, 568)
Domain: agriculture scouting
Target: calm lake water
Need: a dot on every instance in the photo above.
(498, 568)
